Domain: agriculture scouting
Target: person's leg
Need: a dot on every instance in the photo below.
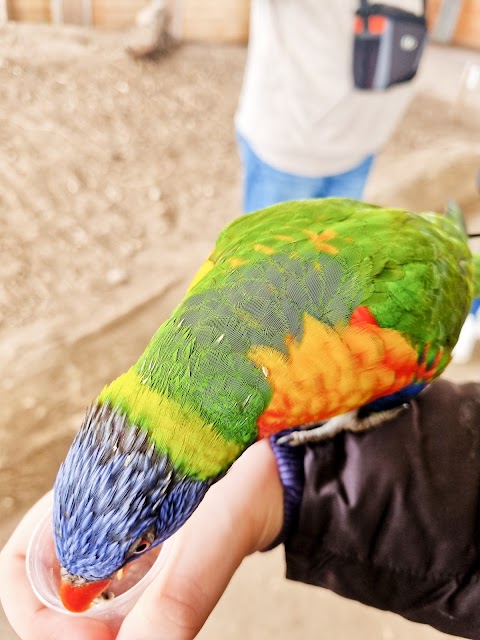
(351, 183)
(264, 185)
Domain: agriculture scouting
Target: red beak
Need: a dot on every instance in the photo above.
(79, 597)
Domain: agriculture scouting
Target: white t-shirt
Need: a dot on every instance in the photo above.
(298, 108)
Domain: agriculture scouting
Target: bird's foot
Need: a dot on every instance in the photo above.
(344, 422)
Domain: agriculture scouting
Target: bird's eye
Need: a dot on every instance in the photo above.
(142, 546)
(143, 542)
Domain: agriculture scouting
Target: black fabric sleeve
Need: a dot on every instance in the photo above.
(390, 517)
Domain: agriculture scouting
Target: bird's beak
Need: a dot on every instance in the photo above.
(77, 595)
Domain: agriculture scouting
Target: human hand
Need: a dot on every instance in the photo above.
(239, 515)
(27, 615)
(390, 516)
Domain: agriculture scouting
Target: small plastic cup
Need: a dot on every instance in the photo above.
(43, 570)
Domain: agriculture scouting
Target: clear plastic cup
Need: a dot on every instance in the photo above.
(43, 570)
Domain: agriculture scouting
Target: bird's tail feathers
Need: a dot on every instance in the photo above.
(476, 275)
(454, 213)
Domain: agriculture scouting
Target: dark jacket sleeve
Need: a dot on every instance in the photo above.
(391, 517)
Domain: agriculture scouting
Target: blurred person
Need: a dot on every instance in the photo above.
(304, 130)
(388, 517)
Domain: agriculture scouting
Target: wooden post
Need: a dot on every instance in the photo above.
(446, 22)
(29, 10)
(116, 14)
(71, 11)
(454, 22)
(3, 11)
(214, 20)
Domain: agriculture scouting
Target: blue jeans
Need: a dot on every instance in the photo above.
(263, 185)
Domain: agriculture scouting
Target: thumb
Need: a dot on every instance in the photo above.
(239, 515)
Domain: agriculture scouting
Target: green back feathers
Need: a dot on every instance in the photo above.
(410, 270)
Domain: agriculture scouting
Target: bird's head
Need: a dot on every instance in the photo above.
(115, 497)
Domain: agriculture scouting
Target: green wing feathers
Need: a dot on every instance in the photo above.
(270, 271)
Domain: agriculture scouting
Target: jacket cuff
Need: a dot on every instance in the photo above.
(290, 467)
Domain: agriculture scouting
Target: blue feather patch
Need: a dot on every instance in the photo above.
(113, 487)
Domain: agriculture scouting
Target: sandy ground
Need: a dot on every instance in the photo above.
(115, 179)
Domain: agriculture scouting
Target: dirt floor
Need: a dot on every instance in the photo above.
(115, 178)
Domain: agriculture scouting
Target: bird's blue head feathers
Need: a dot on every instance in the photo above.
(113, 491)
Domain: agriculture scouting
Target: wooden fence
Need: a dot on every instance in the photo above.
(450, 21)
(207, 20)
(455, 22)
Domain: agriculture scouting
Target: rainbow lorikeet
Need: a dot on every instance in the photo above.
(304, 312)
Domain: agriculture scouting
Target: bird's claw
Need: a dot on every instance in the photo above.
(292, 439)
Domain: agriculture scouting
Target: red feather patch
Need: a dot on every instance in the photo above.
(363, 315)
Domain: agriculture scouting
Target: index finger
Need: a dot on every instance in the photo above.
(243, 512)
